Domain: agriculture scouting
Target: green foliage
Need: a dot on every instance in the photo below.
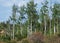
(12, 41)
(25, 41)
(52, 39)
(19, 37)
(5, 38)
(31, 19)
(32, 14)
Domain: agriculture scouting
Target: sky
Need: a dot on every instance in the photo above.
(6, 7)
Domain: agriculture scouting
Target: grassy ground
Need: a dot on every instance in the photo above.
(37, 38)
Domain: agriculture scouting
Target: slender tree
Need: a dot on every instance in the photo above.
(13, 18)
(44, 12)
(32, 16)
(21, 11)
(55, 11)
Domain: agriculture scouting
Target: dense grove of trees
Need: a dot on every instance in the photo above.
(26, 20)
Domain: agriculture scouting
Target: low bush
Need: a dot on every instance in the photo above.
(18, 37)
(12, 41)
(52, 39)
(37, 37)
(25, 41)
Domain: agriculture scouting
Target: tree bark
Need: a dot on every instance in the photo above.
(45, 25)
(28, 30)
(54, 27)
(31, 26)
(57, 26)
(13, 30)
(50, 28)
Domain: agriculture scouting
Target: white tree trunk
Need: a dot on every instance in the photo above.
(35, 30)
(21, 30)
(13, 30)
(28, 31)
(31, 26)
(54, 29)
(45, 25)
(50, 28)
(57, 26)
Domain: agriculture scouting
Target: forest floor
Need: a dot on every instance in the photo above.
(37, 38)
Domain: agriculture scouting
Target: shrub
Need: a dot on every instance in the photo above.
(37, 37)
(52, 39)
(25, 41)
(5, 38)
(18, 37)
(12, 41)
